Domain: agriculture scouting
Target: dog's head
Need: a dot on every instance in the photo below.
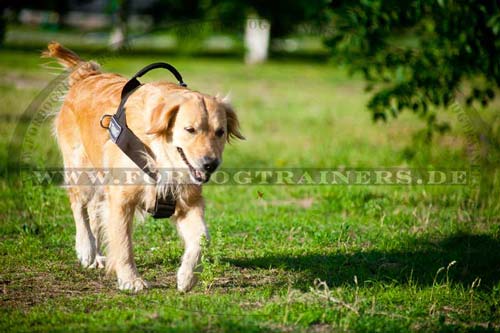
(197, 127)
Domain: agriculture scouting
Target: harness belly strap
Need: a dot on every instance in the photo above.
(132, 146)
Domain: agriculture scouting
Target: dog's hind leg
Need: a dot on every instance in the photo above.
(80, 192)
(85, 242)
(95, 213)
(79, 196)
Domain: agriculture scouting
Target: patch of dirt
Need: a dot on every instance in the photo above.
(320, 328)
(245, 278)
(161, 279)
(26, 288)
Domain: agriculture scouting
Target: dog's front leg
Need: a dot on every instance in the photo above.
(192, 228)
(120, 250)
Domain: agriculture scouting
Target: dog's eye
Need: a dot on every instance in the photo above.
(190, 129)
(219, 132)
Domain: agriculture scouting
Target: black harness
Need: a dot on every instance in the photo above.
(132, 146)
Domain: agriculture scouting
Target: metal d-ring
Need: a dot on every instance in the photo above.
(102, 119)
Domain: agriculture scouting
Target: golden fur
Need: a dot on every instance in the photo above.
(162, 115)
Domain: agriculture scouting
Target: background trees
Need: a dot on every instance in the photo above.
(418, 53)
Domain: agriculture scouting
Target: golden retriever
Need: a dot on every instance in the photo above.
(184, 129)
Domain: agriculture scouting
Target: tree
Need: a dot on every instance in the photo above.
(119, 14)
(3, 26)
(264, 19)
(417, 53)
(279, 18)
(173, 10)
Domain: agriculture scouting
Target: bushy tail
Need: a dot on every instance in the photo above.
(80, 69)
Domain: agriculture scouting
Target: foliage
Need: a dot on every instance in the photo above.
(172, 10)
(230, 15)
(286, 15)
(416, 53)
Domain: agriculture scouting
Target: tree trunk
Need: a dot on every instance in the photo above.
(257, 34)
(3, 26)
(118, 37)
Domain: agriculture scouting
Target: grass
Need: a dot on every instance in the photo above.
(282, 258)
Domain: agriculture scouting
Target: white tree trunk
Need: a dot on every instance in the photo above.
(117, 38)
(257, 34)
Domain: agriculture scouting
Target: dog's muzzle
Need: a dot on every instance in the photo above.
(209, 165)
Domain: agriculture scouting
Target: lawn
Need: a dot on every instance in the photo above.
(282, 258)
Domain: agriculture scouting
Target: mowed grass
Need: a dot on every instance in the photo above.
(282, 258)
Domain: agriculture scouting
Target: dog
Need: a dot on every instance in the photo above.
(184, 129)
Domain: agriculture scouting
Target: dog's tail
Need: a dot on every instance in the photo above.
(80, 69)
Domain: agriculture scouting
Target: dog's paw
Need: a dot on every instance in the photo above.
(186, 279)
(86, 253)
(133, 285)
(99, 262)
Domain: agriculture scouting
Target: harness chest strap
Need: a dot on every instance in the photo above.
(132, 146)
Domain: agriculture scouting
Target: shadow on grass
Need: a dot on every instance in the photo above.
(475, 256)
(224, 323)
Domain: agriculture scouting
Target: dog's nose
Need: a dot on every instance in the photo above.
(210, 163)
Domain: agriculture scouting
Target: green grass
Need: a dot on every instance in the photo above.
(355, 258)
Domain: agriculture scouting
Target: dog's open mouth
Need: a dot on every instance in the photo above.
(196, 174)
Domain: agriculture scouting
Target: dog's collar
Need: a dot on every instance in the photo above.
(131, 145)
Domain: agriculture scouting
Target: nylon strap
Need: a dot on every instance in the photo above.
(132, 146)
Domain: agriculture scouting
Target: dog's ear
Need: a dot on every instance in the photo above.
(163, 117)
(233, 124)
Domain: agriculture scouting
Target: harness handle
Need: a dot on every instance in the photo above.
(155, 65)
(133, 83)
